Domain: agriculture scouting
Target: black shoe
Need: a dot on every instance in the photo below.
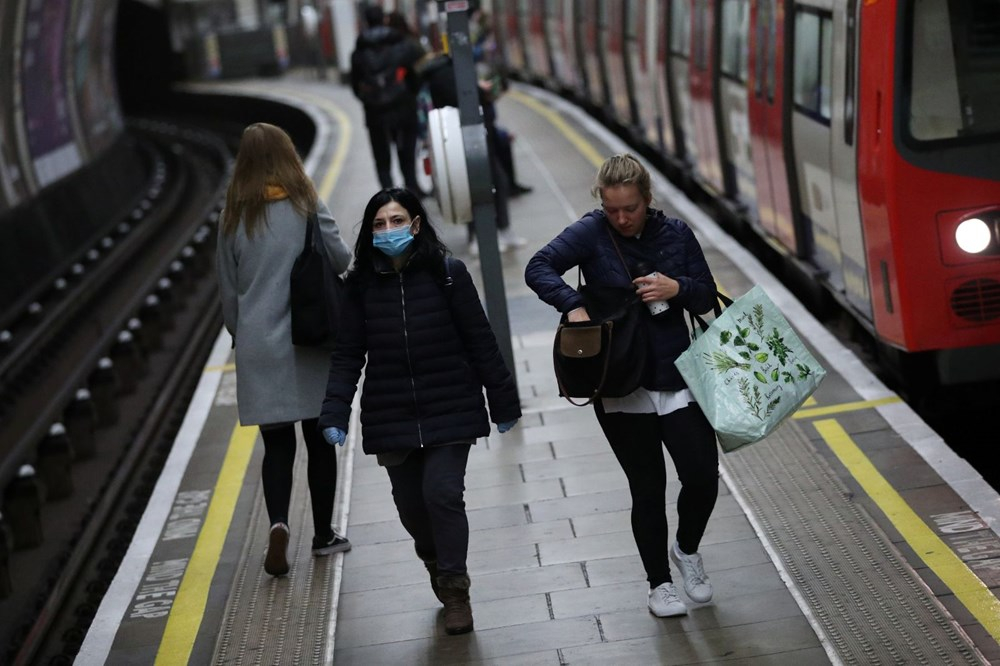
(517, 190)
(331, 544)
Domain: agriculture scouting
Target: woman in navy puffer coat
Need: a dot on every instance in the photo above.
(661, 258)
(415, 314)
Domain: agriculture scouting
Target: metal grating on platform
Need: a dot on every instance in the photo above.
(278, 620)
(866, 598)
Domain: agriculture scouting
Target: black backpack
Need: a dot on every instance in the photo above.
(383, 81)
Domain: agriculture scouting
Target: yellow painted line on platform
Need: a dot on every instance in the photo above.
(935, 553)
(845, 407)
(585, 147)
(188, 608)
(228, 367)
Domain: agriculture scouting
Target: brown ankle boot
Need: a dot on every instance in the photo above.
(432, 571)
(454, 592)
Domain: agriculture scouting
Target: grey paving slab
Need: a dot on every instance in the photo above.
(481, 645)
(758, 640)
(585, 549)
(532, 581)
(427, 623)
(580, 505)
(571, 467)
(514, 493)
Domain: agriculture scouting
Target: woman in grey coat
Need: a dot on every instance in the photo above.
(261, 232)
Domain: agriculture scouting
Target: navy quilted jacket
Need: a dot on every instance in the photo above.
(667, 245)
(430, 351)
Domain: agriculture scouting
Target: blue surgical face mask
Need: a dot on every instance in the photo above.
(393, 242)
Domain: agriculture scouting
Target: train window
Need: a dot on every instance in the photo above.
(680, 28)
(735, 31)
(813, 61)
(702, 38)
(954, 89)
(772, 41)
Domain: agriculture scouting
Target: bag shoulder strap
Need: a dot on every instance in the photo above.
(614, 242)
(698, 323)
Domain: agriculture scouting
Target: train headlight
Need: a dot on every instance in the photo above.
(973, 235)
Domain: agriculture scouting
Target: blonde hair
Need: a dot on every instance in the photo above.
(266, 157)
(623, 169)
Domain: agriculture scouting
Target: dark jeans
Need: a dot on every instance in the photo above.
(404, 135)
(637, 441)
(428, 489)
(276, 473)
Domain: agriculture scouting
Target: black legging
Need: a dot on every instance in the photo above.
(636, 441)
(276, 473)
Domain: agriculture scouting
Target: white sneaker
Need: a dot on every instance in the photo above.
(664, 602)
(474, 247)
(696, 582)
(508, 239)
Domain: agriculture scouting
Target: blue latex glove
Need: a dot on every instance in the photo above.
(334, 436)
(506, 425)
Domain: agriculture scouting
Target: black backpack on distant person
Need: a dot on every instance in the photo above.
(315, 294)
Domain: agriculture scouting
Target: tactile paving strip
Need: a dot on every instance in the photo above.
(278, 620)
(872, 606)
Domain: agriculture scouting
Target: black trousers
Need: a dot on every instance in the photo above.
(383, 135)
(276, 473)
(637, 441)
(428, 489)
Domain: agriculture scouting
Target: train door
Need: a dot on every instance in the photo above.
(559, 35)
(766, 114)
(662, 79)
(812, 106)
(734, 120)
(679, 82)
(613, 48)
(708, 167)
(587, 24)
(844, 158)
(533, 20)
(641, 47)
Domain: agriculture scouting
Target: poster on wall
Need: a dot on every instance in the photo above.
(46, 104)
(94, 87)
(13, 189)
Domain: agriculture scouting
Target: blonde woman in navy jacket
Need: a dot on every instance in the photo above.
(662, 412)
(414, 322)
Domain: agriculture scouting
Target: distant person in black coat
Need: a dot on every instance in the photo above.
(382, 77)
(413, 320)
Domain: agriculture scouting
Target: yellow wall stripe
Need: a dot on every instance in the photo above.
(935, 553)
(585, 147)
(189, 604)
(845, 407)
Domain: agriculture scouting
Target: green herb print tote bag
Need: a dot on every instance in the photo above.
(749, 370)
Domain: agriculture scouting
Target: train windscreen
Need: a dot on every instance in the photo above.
(954, 74)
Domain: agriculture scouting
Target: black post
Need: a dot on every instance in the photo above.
(480, 173)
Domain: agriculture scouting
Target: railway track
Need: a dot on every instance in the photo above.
(94, 380)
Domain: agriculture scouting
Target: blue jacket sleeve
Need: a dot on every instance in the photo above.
(543, 274)
(698, 290)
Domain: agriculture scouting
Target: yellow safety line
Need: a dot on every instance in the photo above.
(228, 367)
(188, 609)
(935, 553)
(845, 407)
(574, 137)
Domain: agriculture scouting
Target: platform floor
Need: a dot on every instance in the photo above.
(850, 536)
